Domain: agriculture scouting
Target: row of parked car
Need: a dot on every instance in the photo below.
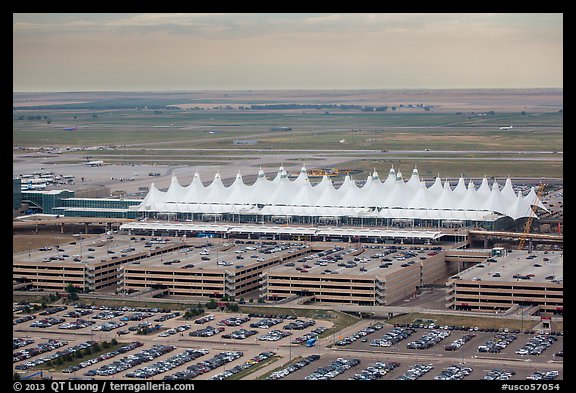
(497, 374)
(19, 342)
(536, 345)
(375, 371)
(454, 373)
(137, 316)
(293, 367)
(204, 319)
(454, 345)
(274, 335)
(77, 313)
(247, 364)
(101, 358)
(176, 330)
(25, 318)
(53, 310)
(358, 335)
(415, 372)
(47, 322)
(312, 334)
(56, 355)
(131, 361)
(393, 337)
(333, 369)
(429, 339)
(205, 366)
(240, 334)
(167, 364)
(107, 326)
(208, 331)
(498, 343)
(234, 321)
(75, 325)
(299, 324)
(266, 323)
(37, 350)
(108, 314)
(543, 375)
(122, 308)
(165, 317)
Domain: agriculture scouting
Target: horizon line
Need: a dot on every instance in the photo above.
(284, 89)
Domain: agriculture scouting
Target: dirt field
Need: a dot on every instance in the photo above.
(24, 242)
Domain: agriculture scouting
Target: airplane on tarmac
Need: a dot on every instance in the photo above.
(95, 163)
(506, 128)
(71, 128)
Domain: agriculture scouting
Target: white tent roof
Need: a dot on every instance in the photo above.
(533, 200)
(460, 189)
(393, 198)
(484, 189)
(436, 189)
(520, 208)
(507, 192)
(494, 201)
(195, 191)
(175, 191)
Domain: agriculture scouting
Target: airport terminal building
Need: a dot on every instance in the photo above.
(389, 203)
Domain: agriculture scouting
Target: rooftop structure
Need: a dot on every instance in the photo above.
(392, 201)
(518, 278)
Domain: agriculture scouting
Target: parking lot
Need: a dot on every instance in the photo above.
(170, 353)
(362, 353)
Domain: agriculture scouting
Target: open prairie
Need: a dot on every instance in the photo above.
(446, 132)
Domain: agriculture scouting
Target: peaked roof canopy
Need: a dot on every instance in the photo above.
(393, 194)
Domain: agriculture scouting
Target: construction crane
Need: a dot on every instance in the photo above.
(528, 224)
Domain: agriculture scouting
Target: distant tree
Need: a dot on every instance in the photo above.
(523, 113)
(211, 304)
(94, 116)
(114, 341)
(233, 307)
(394, 108)
(16, 376)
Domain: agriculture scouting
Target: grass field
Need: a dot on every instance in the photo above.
(462, 130)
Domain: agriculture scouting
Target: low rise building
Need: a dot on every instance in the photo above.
(518, 278)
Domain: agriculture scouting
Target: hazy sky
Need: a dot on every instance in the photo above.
(82, 52)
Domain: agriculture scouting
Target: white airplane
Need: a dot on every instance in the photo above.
(506, 128)
(95, 163)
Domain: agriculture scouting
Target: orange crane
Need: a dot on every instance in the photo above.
(528, 224)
